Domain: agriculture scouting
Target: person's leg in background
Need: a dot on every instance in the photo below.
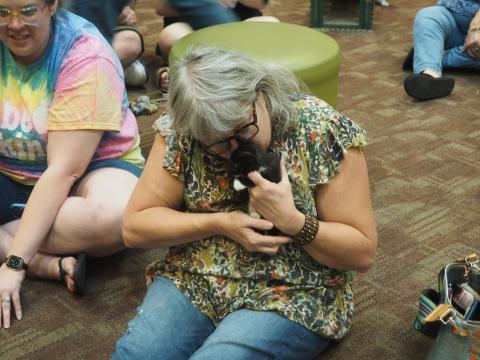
(167, 326)
(439, 36)
(128, 44)
(202, 13)
(104, 14)
(181, 17)
(248, 334)
(171, 34)
(432, 26)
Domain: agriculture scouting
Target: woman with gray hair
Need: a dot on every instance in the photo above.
(224, 288)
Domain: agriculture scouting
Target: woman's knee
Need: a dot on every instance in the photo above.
(433, 15)
(93, 226)
(171, 34)
(128, 46)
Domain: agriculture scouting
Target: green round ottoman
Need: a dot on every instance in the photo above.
(312, 56)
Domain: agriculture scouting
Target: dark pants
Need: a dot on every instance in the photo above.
(102, 13)
(202, 13)
(11, 192)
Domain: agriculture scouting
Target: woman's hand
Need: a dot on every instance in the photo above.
(241, 227)
(275, 202)
(127, 16)
(472, 44)
(10, 284)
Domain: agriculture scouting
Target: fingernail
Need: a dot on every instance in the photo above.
(19, 317)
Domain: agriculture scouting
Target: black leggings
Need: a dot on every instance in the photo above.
(11, 192)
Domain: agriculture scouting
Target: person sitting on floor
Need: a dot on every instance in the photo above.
(444, 36)
(225, 287)
(69, 147)
(183, 17)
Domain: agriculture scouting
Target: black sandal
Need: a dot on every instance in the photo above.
(79, 273)
(425, 87)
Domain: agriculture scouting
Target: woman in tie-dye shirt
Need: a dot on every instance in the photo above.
(69, 146)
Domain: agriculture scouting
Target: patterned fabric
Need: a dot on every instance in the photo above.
(217, 274)
(77, 84)
(464, 7)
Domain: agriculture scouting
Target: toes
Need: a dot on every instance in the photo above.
(70, 283)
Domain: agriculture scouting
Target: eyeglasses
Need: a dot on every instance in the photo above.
(28, 15)
(245, 133)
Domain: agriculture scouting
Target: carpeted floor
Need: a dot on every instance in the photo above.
(425, 174)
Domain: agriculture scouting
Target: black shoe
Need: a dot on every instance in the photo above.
(426, 87)
(408, 62)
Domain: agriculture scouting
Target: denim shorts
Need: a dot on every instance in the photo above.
(12, 192)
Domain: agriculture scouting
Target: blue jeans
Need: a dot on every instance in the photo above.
(202, 13)
(102, 13)
(168, 326)
(438, 38)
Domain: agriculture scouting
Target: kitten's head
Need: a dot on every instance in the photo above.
(250, 157)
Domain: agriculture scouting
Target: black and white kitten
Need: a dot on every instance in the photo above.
(250, 157)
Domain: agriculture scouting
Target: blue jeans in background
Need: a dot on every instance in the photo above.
(102, 13)
(202, 13)
(438, 38)
(167, 326)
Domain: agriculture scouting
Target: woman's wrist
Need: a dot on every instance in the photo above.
(294, 224)
(218, 223)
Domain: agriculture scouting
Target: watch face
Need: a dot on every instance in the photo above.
(14, 262)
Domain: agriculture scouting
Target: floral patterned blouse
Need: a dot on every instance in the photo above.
(217, 274)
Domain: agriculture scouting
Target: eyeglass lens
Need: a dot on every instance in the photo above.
(29, 15)
(245, 133)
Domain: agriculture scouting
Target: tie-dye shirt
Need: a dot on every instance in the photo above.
(77, 85)
(464, 7)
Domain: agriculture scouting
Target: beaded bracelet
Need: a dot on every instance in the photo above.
(308, 232)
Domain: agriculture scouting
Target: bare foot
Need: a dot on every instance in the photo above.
(431, 73)
(162, 79)
(68, 264)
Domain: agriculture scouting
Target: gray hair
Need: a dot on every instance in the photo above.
(211, 90)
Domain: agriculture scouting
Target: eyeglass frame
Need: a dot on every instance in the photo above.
(18, 14)
(235, 135)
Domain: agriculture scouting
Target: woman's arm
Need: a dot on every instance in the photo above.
(346, 238)
(154, 216)
(69, 153)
